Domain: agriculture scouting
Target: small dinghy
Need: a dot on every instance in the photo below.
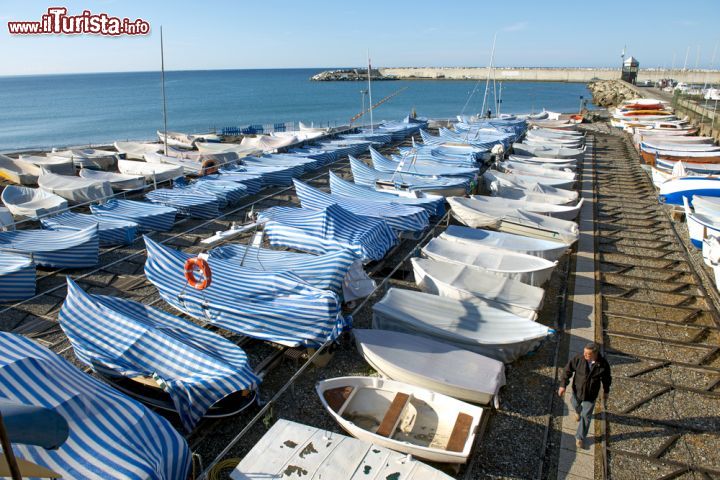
(148, 216)
(547, 249)
(529, 269)
(514, 221)
(521, 168)
(89, 158)
(218, 148)
(119, 182)
(137, 150)
(283, 453)
(17, 277)
(75, 249)
(111, 232)
(157, 172)
(197, 372)
(492, 332)
(700, 225)
(75, 189)
(673, 190)
(463, 282)
(533, 193)
(547, 152)
(545, 162)
(564, 212)
(187, 203)
(403, 417)
(433, 365)
(32, 202)
(18, 172)
(59, 165)
(524, 180)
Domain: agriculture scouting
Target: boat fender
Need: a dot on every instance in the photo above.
(209, 167)
(201, 264)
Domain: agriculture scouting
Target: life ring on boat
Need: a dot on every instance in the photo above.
(191, 264)
(208, 167)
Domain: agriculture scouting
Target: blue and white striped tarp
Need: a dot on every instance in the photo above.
(295, 169)
(328, 230)
(110, 435)
(485, 142)
(149, 216)
(111, 231)
(347, 147)
(273, 306)
(403, 218)
(119, 337)
(308, 163)
(190, 204)
(324, 156)
(322, 271)
(271, 176)
(378, 137)
(367, 176)
(17, 277)
(433, 156)
(253, 183)
(386, 165)
(75, 249)
(434, 206)
(226, 193)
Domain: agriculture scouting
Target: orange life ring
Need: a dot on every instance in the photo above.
(208, 167)
(200, 264)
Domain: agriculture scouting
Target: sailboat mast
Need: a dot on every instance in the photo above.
(487, 82)
(162, 77)
(372, 125)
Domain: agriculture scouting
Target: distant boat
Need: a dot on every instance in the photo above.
(673, 190)
(403, 417)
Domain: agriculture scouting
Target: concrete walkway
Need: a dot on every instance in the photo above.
(577, 463)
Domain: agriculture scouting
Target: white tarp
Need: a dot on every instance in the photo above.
(31, 202)
(75, 189)
(517, 243)
(16, 171)
(564, 212)
(118, 181)
(59, 165)
(160, 172)
(489, 331)
(136, 150)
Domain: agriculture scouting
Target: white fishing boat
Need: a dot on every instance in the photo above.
(18, 172)
(533, 193)
(492, 332)
(565, 212)
(462, 282)
(75, 189)
(536, 140)
(700, 226)
(32, 202)
(547, 249)
(137, 150)
(431, 364)
(59, 165)
(526, 179)
(674, 190)
(284, 452)
(402, 417)
(157, 172)
(548, 152)
(563, 163)
(119, 182)
(514, 221)
(523, 168)
(529, 269)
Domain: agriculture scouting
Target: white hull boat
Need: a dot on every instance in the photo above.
(59, 165)
(526, 179)
(522, 168)
(153, 172)
(546, 249)
(700, 226)
(548, 152)
(533, 193)
(283, 453)
(431, 364)
(562, 163)
(75, 189)
(488, 331)
(529, 269)
(462, 282)
(672, 191)
(18, 172)
(564, 212)
(402, 417)
(32, 202)
(119, 182)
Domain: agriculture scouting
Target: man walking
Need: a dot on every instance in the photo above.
(590, 370)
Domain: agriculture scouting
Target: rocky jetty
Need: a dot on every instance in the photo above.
(350, 75)
(609, 93)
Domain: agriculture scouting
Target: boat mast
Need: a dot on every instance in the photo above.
(487, 81)
(372, 127)
(162, 77)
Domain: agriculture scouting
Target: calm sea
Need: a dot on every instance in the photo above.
(61, 110)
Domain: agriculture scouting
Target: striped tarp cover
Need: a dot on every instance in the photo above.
(432, 155)
(347, 147)
(324, 156)
(17, 277)
(272, 306)
(119, 337)
(484, 142)
(111, 231)
(378, 137)
(478, 138)
(73, 249)
(225, 192)
(434, 206)
(308, 163)
(365, 175)
(403, 218)
(190, 204)
(148, 216)
(253, 183)
(383, 164)
(295, 169)
(328, 230)
(271, 176)
(110, 435)
(322, 271)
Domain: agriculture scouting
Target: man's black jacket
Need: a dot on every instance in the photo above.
(586, 384)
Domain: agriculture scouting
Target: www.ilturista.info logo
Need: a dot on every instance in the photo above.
(57, 21)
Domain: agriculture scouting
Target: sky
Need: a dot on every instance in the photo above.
(323, 34)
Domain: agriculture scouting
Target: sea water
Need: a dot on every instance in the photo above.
(81, 109)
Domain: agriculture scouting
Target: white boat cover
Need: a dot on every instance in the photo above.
(75, 189)
(431, 364)
(548, 152)
(505, 263)
(533, 193)
(18, 172)
(89, 158)
(240, 150)
(267, 143)
(546, 162)
(523, 179)
(462, 282)
(522, 168)
(564, 212)
(158, 171)
(32, 202)
(117, 181)
(136, 150)
(59, 165)
(518, 243)
(190, 167)
(489, 331)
